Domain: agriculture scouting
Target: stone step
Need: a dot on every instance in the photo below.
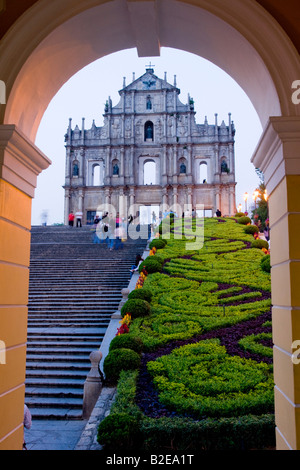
(56, 413)
(55, 392)
(53, 402)
(62, 358)
(74, 288)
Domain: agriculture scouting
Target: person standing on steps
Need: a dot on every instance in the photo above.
(78, 216)
(71, 219)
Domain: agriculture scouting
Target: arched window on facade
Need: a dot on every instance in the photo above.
(98, 174)
(203, 173)
(149, 133)
(224, 166)
(149, 172)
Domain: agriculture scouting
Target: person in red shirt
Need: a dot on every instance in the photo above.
(71, 219)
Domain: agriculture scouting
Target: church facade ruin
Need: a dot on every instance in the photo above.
(150, 153)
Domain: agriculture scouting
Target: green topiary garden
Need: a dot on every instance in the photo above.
(201, 375)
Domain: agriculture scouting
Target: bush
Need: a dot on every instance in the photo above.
(136, 308)
(118, 360)
(143, 293)
(127, 341)
(244, 220)
(120, 428)
(239, 214)
(158, 243)
(152, 264)
(251, 229)
(182, 434)
(260, 244)
(265, 264)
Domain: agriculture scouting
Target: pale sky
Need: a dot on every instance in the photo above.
(85, 94)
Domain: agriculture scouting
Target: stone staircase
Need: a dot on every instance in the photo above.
(75, 286)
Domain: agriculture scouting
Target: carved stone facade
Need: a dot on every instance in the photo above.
(150, 152)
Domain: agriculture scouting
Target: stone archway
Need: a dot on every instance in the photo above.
(61, 37)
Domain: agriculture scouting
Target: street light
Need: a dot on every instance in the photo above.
(245, 199)
(240, 208)
(255, 196)
(266, 196)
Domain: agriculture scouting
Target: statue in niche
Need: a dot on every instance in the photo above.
(75, 169)
(115, 170)
(149, 104)
(224, 167)
(182, 168)
(149, 131)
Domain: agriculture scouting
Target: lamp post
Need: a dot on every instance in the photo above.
(245, 199)
(255, 196)
(240, 208)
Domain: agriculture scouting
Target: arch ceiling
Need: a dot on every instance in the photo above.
(54, 40)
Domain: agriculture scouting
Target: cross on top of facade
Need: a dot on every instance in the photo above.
(149, 67)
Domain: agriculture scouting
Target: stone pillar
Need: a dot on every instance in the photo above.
(20, 164)
(278, 157)
(175, 171)
(189, 160)
(67, 206)
(132, 166)
(107, 166)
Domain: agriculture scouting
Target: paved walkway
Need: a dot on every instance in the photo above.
(71, 434)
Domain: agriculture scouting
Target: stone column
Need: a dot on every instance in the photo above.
(278, 157)
(20, 164)
(189, 160)
(67, 206)
(175, 171)
(132, 166)
(107, 166)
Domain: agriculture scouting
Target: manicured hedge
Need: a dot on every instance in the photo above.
(244, 220)
(143, 293)
(260, 244)
(252, 229)
(157, 243)
(118, 360)
(136, 308)
(152, 264)
(127, 428)
(266, 264)
(127, 341)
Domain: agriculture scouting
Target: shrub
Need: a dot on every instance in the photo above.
(143, 293)
(239, 214)
(120, 428)
(158, 243)
(127, 341)
(136, 308)
(260, 244)
(244, 220)
(118, 360)
(265, 264)
(251, 229)
(152, 264)
(183, 434)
